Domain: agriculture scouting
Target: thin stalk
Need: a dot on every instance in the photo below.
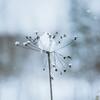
(50, 79)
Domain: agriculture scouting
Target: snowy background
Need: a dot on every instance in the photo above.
(21, 75)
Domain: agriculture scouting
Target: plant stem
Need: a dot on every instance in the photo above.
(50, 77)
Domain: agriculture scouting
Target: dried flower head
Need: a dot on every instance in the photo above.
(46, 43)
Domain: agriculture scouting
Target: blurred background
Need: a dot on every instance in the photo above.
(21, 74)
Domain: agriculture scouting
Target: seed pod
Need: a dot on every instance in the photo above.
(69, 57)
(64, 35)
(75, 38)
(38, 37)
(36, 33)
(64, 70)
(26, 37)
(43, 69)
(54, 66)
(48, 33)
(59, 42)
(56, 32)
(25, 44)
(70, 65)
(17, 43)
(30, 37)
(61, 37)
(64, 57)
(56, 69)
(53, 36)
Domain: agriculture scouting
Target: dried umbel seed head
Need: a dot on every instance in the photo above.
(17, 43)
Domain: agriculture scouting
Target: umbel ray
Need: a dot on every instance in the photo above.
(50, 44)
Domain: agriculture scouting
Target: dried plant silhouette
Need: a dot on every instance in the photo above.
(50, 44)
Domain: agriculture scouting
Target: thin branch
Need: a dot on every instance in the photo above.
(59, 54)
(50, 80)
(32, 43)
(34, 46)
(68, 57)
(66, 64)
(54, 59)
(29, 48)
(64, 46)
(59, 60)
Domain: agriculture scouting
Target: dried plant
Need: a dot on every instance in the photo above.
(50, 44)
